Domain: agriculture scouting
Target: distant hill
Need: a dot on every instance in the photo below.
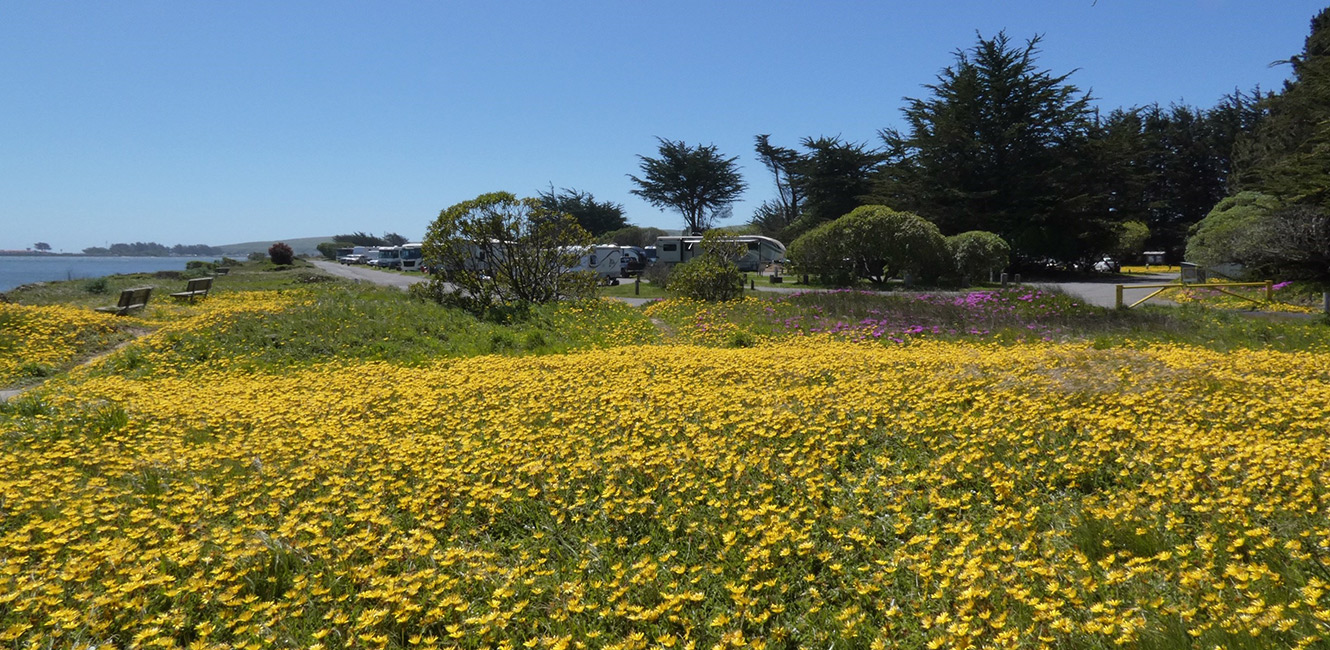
(301, 245)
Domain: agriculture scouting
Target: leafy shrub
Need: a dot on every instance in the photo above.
(872, 242)
(978, 252)
(281, 254)
(658, 274)
(713, 275)
(256, 257)
(199, 264)
(95, 285)
(500, 253)
(1267, 238)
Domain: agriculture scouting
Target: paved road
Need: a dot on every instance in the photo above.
(1104, 293)
(367, 274)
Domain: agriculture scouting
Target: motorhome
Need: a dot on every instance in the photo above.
(762, 251)
(386, 257)
(409, 257)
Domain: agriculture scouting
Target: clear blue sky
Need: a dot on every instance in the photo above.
(220, 122)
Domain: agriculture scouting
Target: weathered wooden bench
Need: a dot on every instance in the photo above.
(130, 300)
(221, 270)
(195, 288)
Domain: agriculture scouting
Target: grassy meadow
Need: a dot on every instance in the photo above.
(301, 462)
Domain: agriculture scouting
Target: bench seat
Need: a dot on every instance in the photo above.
(195, 288)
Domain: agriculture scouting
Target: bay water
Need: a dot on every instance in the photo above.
(18, 270)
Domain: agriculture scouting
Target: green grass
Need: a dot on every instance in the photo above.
(625, 289)
(357, 322)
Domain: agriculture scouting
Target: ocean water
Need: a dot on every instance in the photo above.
(18, 270)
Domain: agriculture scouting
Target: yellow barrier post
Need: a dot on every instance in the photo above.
(1119, 301)
(1269, 290)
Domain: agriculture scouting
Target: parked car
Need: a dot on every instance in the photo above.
(1107, 265)
(354, 258)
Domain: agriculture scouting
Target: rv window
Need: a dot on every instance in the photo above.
(752, 245)
(670, 247)
(593, 260)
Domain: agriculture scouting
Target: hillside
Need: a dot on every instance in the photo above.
(301, 245)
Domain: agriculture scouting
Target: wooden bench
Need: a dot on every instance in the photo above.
(221, 270)
(130, 300)
(196, 288)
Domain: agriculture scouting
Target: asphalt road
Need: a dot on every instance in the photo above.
(1104, 293)
(367, 274)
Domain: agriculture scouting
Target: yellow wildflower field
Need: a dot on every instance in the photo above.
(34, 341)
(797, 494)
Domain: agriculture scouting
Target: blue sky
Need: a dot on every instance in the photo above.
(220, 122)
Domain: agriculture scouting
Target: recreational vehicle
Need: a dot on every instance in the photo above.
(604, 261)
(344, 255)
(385, 257)
(762, 251)
(409, 257)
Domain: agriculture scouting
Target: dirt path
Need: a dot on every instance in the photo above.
(135, 333)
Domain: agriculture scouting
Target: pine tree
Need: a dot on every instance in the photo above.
(1001, 145)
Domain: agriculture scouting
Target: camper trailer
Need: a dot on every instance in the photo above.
(762, 251)
(603, 260)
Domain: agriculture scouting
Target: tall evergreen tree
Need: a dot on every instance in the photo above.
(1288, 155)
(1000, 146)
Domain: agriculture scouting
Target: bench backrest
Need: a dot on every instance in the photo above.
(134, 297)
(199, 284)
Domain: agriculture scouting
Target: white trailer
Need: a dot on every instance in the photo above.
(604, 261)
(761, 251)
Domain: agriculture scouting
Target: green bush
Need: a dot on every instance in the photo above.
(872, 242)
(977, 253)
(95, 285)
(713, 275)
(658, 274)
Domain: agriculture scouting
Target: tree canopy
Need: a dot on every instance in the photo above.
(596, 217)
(697, 181)
(999, 145)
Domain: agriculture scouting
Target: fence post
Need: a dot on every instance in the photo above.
(1119, 298)
(1325, 302)
(1018, 278)
(1269, 291)
(1004, 280)
(637, 286)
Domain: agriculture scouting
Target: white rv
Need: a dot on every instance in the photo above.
(386, 257)
(409, 257)
(605, 261)
(762, 251)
